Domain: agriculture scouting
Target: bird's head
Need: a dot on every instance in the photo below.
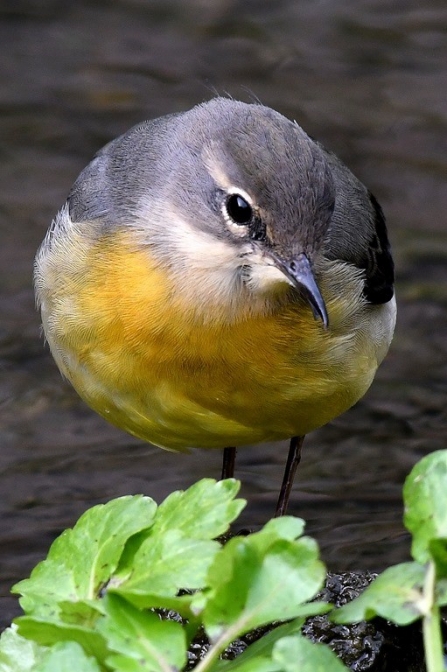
(245, 207)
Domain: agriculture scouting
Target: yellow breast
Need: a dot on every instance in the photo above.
(139, 355)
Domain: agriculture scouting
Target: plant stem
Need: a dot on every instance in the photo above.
(220, 645)
(431, 625)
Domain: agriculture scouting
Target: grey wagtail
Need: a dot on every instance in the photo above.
(217, 278)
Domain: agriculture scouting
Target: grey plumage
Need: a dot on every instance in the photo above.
(307, 200)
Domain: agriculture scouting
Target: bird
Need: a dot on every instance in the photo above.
(216, 278)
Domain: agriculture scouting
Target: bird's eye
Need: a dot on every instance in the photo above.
(238, 209)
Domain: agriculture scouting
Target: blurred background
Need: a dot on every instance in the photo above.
(368, 78)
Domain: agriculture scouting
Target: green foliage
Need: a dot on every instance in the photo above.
(425, 498)
(67, 657)
(17, 653)
(297, 653)
(94, 604)
(84, 558)
(418, 589)
(89, 605)
(251, 577)
(395, 595)
(126, 630)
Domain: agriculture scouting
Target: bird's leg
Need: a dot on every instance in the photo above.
(293, 460)
(229, 458)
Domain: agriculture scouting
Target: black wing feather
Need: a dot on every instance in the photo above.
(378, 262)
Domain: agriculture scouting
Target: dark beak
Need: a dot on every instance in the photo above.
(300, 274)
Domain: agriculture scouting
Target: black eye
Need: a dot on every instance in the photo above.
(239, 210)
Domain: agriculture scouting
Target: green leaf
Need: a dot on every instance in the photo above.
(83, 559)
(140, 640)
(84, 612)
(67, 657)
(438, 552)
(298, 653)
(177, 552)
(397, 595)
(18, 654)
(283, 528)
(204, 511)
(48, 633)
(163, 565)
(441, 593)
(258, 656)
(259, 579)
(425, 497)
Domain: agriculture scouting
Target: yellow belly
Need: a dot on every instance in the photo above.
(140, 358)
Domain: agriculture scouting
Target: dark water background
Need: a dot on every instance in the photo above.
(366, 77)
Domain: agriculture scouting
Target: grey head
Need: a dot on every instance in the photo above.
(245, 177)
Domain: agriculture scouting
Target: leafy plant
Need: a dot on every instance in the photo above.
(92, 604)
(415, 590)
(95, 603)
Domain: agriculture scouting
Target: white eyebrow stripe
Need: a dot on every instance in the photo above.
(216, 170)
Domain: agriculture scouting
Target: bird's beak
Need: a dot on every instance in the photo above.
(299, 274)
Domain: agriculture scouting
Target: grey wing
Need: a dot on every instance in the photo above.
(358, 233)
(110, 187)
